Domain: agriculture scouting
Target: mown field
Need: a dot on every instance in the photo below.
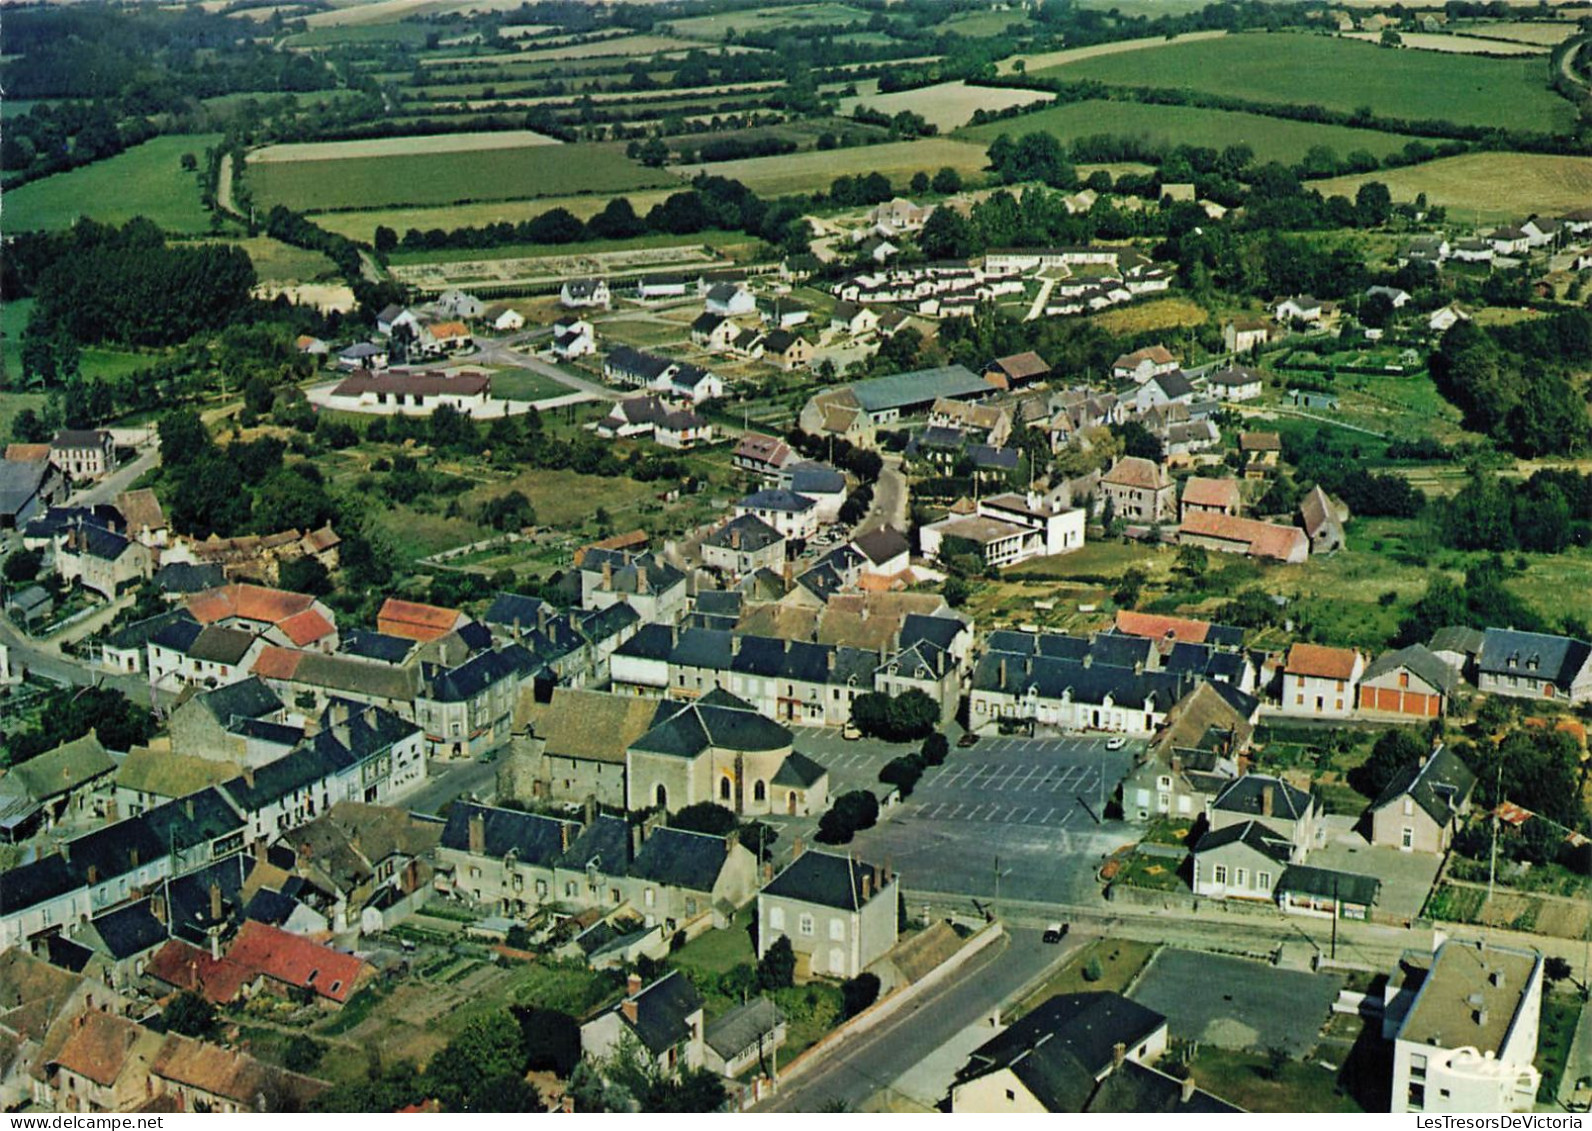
(443, 178)
(1276, 139)
(979, 25)
(947, 104)
(278, 262)
(1452, 44)
(398, 146)
(362, 225)
(146, 180)
(767, 19)
(1546, 34)
(1486, 186)
(811, 171)
(710, 238)
(1343, 75)
(1033, 64)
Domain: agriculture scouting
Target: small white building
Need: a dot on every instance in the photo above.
(572, 338)
(794, 516)
(578, 293)
(729, 301)
(504, 319)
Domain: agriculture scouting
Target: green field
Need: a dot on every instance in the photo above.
(770, 19)
(278, 262)
(412, 34)
(523, 385)
(977, 25)
(713, 238)
(1276, 139)
(362, 225)
(444, 178)
(1486, 186)
(1344, 75)
(814, 170)
(147, 180)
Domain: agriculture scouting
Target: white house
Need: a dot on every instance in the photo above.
(794, 516)
(729, 300)
(573, 337)
(576, 293)
(504, 319)
(1321, 681)
(1299, 308)
(1235, 383)
(1441, 320)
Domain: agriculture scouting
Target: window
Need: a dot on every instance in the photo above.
(1219, 874)
(759, 792)
(541, 888)
(1011, 1095)
(1418, 1066)
(1299, 700)
(776, 918)
(1241, 876)
(1417, 1097)
(649, 897)
(1406, 837)
(724, 789)
(837, 930)
(805, 924)
(1262, 881)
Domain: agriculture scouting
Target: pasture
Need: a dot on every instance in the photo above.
(278, 262)
(398, 146)
(948, 104)
(767, 19)
(1520, 31)
(979, 25)
(1343, 75)
(817, 169)
(146, 180)
(1452, 44)
(1032, 64)
(411, 35)
(1485, 186)
(1278, 139)
(445, 178)
(391, 11)
(362, 225)
(624, 46)
(1157, 314)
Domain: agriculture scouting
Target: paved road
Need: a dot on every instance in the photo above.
(858, 1067)
(452, 780)
(502, 352)
(889, 500)
(105, 490)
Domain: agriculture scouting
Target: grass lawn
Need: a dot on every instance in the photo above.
(278, 262)
(567, 498)
(1273, 139)
(146, 180)
(947, 104)
(1156, 873)
(1120, 962)
(412, 35)
(1246, 1079)
(711, 238)
(978, 25)
(1344, 75)
(1098, 562)
(362, 225)
(717, 952)
(769, 19)
(1157, 314)
(1560, 1014)
(523, 385)
(445, 178)
(1485, 186)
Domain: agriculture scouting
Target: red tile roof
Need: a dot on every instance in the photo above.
(1160, 627)
(248, 602)
(1264, 539)
(307, 627)
(1202, 492)
(296, 961)
(28, 453)
(99, 1045)
(219, 980)
(1322, 662)
(428, 384)
(1137, 472)
(277, 663)
(414, 621)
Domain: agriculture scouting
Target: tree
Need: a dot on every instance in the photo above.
(305, 575)
(23, 566)
(947, 181)
(848, 815)
(1395, 751)
(1192, 561)
(946, 235)
(859, 993)
(903, 773)
(183, 438)
(704, 817)
(903, 718)
(551, 1039)
(190, 1015)
(1373, 204)
(1391, 38)
(302, 1053)
(1130, 588)
(653, 152)
(486, 1049)
(776, 970)
(935, 749)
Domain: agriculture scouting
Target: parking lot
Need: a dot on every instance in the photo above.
(1035, 805)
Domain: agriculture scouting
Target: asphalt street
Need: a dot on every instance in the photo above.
(855, 1069)
(447, 781)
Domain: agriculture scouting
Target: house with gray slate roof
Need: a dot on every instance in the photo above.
(748, 1034)
(665, 1019)
(839, 914)
(1423, 803)
(1533, 665)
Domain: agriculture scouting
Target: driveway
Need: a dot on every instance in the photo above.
(1406, 876)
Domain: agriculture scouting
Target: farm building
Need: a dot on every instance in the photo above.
(412, 393)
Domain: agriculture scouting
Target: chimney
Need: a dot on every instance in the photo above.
(215, 901)
(1002, 673)
(641, 579)
(1268, 800)
(1188, 1089)
(188, 807)
(1119, 1053)
(215, 944)
(608, 575)
(798, 846)
(563, 834)
(867, 884)
(111, 813)
(157, 907)
(261, 852)
(248, 776)
(132, 857)
(889, 871)
(93, 875)
(588, 812)
(768, 872)
(544, 613)
(633, 984)
(735, 538)
(628, 1006)
(638, 837)
(1088, 659)
(477, 833)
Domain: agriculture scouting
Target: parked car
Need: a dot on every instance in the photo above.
(967, 739)
(1056, 932)
(1116, 743)
(849, 732)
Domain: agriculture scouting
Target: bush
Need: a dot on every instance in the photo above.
(859, 993)
(1093, 971)
(302, 1053)
(936, 748)
(849, 814)
(704, 817)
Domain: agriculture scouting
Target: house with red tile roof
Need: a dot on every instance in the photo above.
(1215, 496)
(1318, 680)
(191, 969)
(103, 1065)
(414, 621)
(200, 1077)
(1230, 535)
(1139, 490)
(277, 616)
(1152, 626)
(288, 961)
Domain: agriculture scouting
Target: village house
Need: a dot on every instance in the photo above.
(101, 560)
(1305, 309)
(1288, 812)
(1245, 333)
(83, 453)
(782, 313)
(661, 286)
(750, 1034)
(63, 786)
(241, 722)
(1534, 665)
(1509, 240)
(1140, 365)
(645, 582)
(1443, 319)
(714, 332)
(1162, 389)
(1139, 490)
(664, 1019)
(1261, 453)
(418, 394)
(27, 489)
(787, 350)
(573, 338)
(1058, 682)
(761, 455)
(729, 300)
(1419, 809)
(1192, 758)
(1322, 681)
(578, 293)
(794, 516)
(468, 710)
(1211, 496)
(838, 913)
(682, 429)
(504, 319)
(850, 318)
(901, 215)
(1322, 520)
(1240, 861)
(1008, 529)
(632, 416)
(1016, 370)
(1408, 681)
(1235, 383)
(744, 545)
(991, 422)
